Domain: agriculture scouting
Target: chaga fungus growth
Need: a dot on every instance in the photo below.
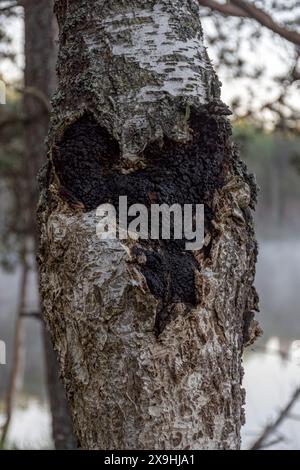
(86, 157)
(88, 164)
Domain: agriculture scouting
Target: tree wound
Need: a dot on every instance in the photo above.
(86, 161)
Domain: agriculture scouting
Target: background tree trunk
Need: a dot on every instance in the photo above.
(40, 82)
(149, 336)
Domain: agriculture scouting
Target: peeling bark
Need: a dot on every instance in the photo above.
(149, 336)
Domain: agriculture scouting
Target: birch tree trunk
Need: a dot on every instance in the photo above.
(40, 82)
(149, 336)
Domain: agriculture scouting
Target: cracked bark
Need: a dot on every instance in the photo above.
(149, 337)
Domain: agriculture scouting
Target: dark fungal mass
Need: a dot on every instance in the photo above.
(85, 161)
(170, 274)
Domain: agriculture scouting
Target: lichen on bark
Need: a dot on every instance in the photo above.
(150, 337)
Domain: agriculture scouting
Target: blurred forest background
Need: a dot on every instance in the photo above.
(255, 48)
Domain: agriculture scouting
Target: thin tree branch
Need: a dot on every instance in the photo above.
(8, 8)
(243, 9)
(34, 315)
(266, 20)
(225, 9)
(33, 92)
(270, 428)
(277, 440)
